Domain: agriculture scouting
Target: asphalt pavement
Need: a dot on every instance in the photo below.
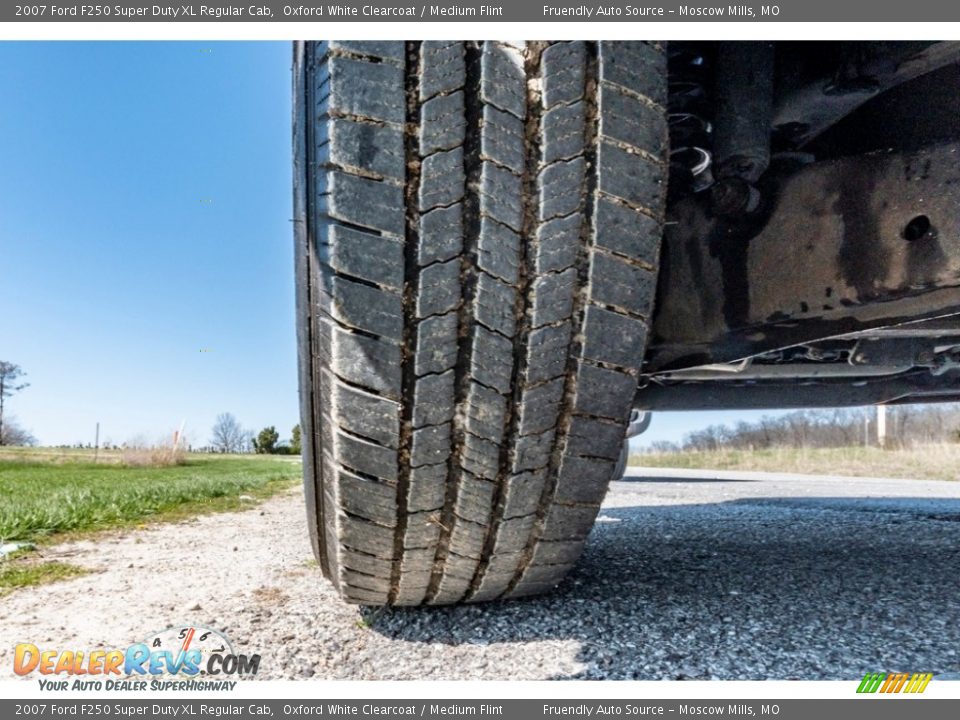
(700, 575)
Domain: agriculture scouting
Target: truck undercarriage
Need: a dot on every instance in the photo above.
(811, 255)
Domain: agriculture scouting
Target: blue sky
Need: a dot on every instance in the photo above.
(144, 217)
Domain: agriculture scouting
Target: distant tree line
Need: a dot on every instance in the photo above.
(229, 436)
(907, 425)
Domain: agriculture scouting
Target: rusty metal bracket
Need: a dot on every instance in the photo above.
(843, 246)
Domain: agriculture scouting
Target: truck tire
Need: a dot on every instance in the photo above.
(477, 237)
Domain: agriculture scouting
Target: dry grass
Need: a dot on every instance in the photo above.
(137, 455)
(940, 462)
(59, 456)
(156, 456)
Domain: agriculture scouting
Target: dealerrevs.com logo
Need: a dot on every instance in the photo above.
(186, 657)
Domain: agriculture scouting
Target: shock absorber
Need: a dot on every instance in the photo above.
(688, 114)
(743, 119)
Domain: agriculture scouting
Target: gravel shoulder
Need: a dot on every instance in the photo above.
(688, 575)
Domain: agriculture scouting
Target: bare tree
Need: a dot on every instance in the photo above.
(664, 446)
(10, 375)
(228, 436)
(830, 428)
(846, 424)
(13, 434)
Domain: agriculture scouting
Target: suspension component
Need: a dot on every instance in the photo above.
(689, 117)
(744, 113)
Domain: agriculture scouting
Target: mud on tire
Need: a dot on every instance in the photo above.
(477, 237)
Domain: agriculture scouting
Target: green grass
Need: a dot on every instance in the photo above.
(42, 497)
(14, 575)
(934, 462)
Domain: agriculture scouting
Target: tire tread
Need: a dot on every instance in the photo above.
(480, 250)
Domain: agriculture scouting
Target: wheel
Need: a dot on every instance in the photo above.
(477, 237)
(638, 424)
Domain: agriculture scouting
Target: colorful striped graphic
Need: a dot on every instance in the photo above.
(894, 682)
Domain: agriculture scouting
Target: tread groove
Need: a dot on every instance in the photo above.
(411, 288)
(471, 234)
